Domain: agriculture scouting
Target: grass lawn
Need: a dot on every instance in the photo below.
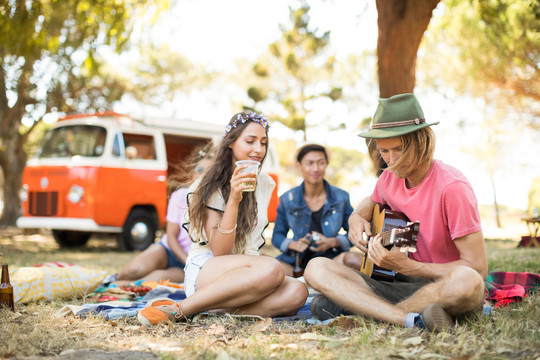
(32, 331)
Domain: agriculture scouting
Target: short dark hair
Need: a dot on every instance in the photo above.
(309, 148)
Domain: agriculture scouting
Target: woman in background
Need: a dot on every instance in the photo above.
(166, 259)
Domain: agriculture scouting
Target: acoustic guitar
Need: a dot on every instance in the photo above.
(396, 230)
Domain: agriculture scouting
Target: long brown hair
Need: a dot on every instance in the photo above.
(217, 178)
(183, 173)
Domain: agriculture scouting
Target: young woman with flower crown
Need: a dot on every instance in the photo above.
(225, 223)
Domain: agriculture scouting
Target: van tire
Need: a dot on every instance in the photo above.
(71, 239)
(139, 230)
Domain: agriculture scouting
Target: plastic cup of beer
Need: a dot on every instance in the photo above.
(252, 168)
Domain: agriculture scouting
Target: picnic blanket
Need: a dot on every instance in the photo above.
(116, 309)
(504, 288)
(54, 280)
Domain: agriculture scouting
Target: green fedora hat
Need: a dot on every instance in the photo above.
(395, 116)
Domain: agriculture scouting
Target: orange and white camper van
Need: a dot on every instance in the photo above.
(107, 173)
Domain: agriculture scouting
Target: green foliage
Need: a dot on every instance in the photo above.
(345, 166)
(256, 94)
(34, 138)
(260, 70)
(297, 70)
(51, 59)
(343, 170)
(158, 73)
(286, 150)
(50, 54)
(489, 49)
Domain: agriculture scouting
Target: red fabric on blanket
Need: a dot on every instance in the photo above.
(508, 287)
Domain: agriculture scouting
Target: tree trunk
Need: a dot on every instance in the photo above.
(13, 161)
(401, 26)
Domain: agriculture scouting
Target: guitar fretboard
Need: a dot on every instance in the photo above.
(403, 237)
(388, 237)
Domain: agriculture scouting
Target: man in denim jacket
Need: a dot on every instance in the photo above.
(315, 211)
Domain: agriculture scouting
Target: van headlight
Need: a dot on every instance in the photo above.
(23, 194)
(75, 194)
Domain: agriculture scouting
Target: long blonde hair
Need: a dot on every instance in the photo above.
(421, 144)
(217, 178)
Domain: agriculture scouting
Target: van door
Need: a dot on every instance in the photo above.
(133, 189)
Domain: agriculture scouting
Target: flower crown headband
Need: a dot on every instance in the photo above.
(258, 118)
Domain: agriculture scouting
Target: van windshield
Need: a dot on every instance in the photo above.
(74, 140)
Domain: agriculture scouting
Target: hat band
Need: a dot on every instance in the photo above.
(416, 121)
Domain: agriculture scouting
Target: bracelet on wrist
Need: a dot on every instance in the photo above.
(223, 231)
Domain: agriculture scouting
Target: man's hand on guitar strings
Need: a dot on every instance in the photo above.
(362, 243)
(392, 259)
(358, 229)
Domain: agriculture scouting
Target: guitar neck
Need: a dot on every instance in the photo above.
(386, 238)
(400, 235)
(394, 227)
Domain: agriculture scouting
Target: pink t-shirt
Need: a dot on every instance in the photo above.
(175, 214)
(444, 203)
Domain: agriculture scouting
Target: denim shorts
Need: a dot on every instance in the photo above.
(193, 266)
(172, 260)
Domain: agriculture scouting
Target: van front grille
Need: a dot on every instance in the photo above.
(43, 203)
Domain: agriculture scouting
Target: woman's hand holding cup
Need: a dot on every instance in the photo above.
(248, 171)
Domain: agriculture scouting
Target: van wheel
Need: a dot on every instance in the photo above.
(139, 231)
(70, 239)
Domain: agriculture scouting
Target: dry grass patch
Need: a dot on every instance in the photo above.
(510, 333)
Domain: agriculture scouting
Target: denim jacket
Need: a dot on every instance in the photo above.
(294, 214)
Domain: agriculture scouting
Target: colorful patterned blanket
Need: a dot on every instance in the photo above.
(125, 308)
(502, 288)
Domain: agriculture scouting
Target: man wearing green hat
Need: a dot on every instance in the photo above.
(444, 278)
